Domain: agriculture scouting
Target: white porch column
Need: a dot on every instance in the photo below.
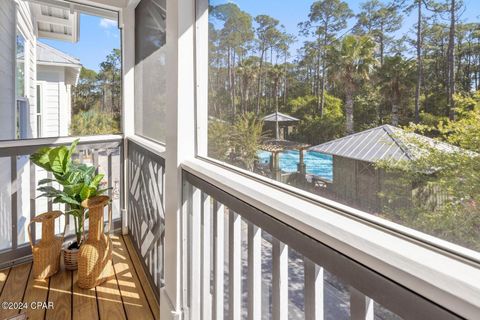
(180, 143)
(127, 24)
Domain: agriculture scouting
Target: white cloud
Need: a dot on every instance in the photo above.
(107, 23)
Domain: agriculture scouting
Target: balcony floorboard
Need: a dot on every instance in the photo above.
(126, 296)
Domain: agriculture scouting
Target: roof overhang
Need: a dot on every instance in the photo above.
(53, 22)
(60, 20)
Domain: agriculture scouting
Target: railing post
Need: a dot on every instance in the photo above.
(235, 266)
(33, 201)
(361, 306)
(280, 280)
(313, 279)
(219, 262)
(14, 191)
(205, 264)
(195, 253)
(254, 272)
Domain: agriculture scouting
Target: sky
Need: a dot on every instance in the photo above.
(290, 13)
(99, 36)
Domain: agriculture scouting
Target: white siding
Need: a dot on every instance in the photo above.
(56, 101)
(13, 15)
(7, 102)
(7, 71)
(25, 25)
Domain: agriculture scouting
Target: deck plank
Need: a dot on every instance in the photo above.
(3, 278)
(60, 295)
(110, 304)
(14, 288)
(134, 300)
(37, 291)
(152, 300)
(127, 296)
(84, 302)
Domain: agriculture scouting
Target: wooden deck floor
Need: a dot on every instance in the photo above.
(127, 296)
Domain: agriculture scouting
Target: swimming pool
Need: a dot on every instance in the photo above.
(318, 164)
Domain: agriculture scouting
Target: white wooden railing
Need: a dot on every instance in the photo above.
(19, 178)
(241, 262)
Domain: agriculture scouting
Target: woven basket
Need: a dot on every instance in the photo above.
(70, 258)
(46, 253)
(95, 255)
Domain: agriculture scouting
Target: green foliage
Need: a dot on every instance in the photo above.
(314, 128)
(369, 111)
(86, 93)
(396, 78)
(246, 139)
(446, 198)
(219, 139)
(368, 76)
(97, 96)
(77, 182)
(93, 122)
(236, 143)
(352, 63)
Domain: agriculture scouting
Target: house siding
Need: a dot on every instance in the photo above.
(7, 71)
(15, 15)
(56, 110)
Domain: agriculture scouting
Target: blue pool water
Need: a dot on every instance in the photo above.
(318, 164)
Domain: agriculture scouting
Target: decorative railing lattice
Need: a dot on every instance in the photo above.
(146, 218)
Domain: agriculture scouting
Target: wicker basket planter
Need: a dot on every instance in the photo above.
(46, 253)
(95, 254)
(70, 257)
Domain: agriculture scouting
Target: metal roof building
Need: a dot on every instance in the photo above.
(380, 143)
(356, 180)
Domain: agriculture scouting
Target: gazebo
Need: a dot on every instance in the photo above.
(280, 122)
(275, 146)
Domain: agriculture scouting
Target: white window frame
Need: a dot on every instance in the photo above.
(201, 60)
(39, 109)
(25, 67)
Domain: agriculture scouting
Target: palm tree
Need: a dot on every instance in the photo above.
(396, 78)
(352, 61)
(247, 72)
(276, 73)
(246, 138)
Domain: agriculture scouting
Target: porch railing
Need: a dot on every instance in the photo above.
(18, 183)
(145, 205)
(241, 262)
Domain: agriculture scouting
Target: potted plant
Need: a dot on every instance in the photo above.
(76, 182)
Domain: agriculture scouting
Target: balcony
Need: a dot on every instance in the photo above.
(198, 239)
(239, 260)
(126, 296)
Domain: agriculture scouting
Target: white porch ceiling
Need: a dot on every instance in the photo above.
(60, 19)
(56, 23)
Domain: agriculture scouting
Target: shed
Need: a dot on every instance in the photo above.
(280, 123)
(356, 181)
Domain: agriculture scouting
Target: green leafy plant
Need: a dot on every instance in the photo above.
(76, 181)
